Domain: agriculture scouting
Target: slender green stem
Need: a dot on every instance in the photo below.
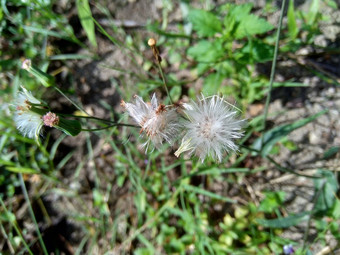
(70, 100)
(86, 117)
(272, 73)
(114, 125)
(305, 236)
(9, 244)
(24, 190)
(163, 79)
(283, 169)
(16, 228)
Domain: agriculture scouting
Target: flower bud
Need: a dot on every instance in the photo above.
(46, 79)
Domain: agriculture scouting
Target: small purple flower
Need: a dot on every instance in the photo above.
(288, 249)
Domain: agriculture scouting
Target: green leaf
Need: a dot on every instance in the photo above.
(205, 23)
(271, 137)
(215, 170)
(331, 152)
(325, 190)
(237, 13)
(69, 127)
(212, 83)
(331, 4)
(252, 25)
(256, 50)
(313, 12)
(23, 170)
(336, 210)
(7, 216)
(292, 27)
(85, 16)
(207, 193)
(206, 51)
(175, 93)
(69, 56)
(272, 201)
(286, 222)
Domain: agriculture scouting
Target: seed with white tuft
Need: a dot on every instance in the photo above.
(211, 127)
(28, 122)
(159, 122)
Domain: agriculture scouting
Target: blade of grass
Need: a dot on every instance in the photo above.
(16, 228)
(272, 73)
(207, 193)
(24, 190)
(69, 57)
(269, 138)
(86, 20)
(286, 222)
(23, 170)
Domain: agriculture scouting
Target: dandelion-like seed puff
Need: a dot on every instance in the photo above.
(28, 122)
(159, 122)
(211, 126)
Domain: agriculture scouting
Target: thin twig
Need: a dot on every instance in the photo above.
(152, 43)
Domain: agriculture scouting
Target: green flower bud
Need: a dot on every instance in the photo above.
(46, 79)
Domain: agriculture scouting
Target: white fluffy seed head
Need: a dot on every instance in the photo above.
(159, 122)
(28, 122)
(211, 127)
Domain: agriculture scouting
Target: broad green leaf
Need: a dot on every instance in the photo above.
(206, 51)
(334, 226)
(85, 16)
(257, 51)
(175, 93)
(235, 14)
(332, 4)
(252, 25)
(292, 26)
(325, 190)
(271, 201)
(271, 137)
(238, 12)
(212, 83)
(69, 127)
(286, 222)
(336, 210)
(205, 23)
